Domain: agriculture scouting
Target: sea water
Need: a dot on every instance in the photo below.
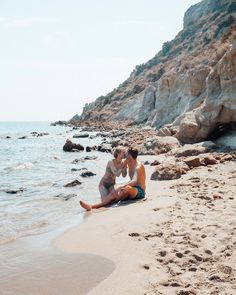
(40, 167)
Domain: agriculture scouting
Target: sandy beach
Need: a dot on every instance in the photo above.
(104, 101)
(180, 240)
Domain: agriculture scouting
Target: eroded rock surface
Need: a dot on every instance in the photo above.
(189, 88)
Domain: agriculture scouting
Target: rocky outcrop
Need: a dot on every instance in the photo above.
(193, 149)
(160, 145)
(204, 8)
(219, 107)
(69, 146)
(140, 107)
(188, 89)
(169, 171)
(169, 168)
(60, 123)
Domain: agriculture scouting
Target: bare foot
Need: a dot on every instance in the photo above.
(85, 206)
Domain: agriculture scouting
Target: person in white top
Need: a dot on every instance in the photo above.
(114, 168)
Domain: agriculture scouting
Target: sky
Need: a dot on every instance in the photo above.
(56, 55)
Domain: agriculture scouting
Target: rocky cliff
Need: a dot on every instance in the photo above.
(189, 88)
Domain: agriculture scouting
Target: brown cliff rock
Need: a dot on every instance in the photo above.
(188, 89)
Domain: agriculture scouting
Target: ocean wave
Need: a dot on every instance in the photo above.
(9, 234)
(27, 165)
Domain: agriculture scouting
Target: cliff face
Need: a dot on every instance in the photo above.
(189, 87)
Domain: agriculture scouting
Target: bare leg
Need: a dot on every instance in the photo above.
(112, 189)
(127, 192)
(118, 195)
(109, 199)
(104, 192)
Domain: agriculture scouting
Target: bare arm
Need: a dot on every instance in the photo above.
(134, 180)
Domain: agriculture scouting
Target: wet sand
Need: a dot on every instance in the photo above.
(56, 273)
(33, 266)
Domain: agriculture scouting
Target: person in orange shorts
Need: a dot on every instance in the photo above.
(133, 190)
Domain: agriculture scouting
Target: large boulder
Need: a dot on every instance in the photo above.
(193, 162)
(160, 145)
(69, 146)
(219, 106)
(193, 149)
(210, 160)
(169, 171)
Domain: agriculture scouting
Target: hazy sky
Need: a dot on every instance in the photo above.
(56, 55)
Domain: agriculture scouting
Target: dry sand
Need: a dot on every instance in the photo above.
(181, 240)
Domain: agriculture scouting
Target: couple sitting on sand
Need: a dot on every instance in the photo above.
(133, 190)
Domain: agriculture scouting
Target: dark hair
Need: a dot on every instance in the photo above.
(133, 153)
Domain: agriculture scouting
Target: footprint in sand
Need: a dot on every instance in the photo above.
(179, 255)
(163, 253)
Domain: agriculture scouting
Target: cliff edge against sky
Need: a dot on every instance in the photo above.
(189, 88)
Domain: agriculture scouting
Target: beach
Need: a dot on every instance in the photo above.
(180, 240)
(127, 107)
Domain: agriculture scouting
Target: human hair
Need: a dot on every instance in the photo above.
(133, 153)
(117, 151)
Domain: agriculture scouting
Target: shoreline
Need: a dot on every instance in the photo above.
(176, 241)
(180, 239)
(110, 235)
(48, 270)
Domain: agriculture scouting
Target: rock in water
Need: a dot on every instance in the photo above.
(87, 174)
(60, 123)
(65, 197)
(73, 183)
(42, 134)
(14, 191)
(83, 135)
(104, 148)
(69, 146)
(88, 149)
(75, 161)
(89, 158)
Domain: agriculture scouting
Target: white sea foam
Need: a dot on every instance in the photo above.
(42, 168)
(27, 165)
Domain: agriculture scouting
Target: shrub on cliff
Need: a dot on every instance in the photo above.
(166, 48)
